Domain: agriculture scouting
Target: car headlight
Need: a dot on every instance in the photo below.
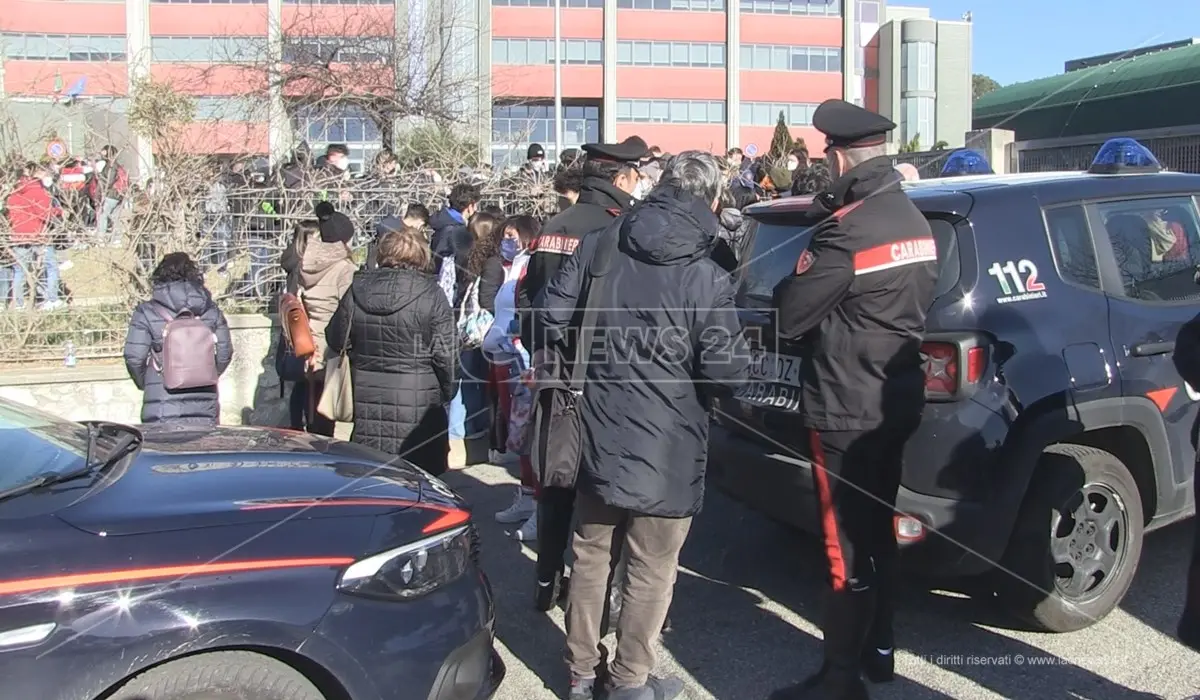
(413, 570)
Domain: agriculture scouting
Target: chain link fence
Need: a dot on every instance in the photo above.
(237, 234)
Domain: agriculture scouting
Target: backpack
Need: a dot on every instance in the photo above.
(187, 354)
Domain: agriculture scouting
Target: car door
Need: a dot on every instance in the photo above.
(1149, 249)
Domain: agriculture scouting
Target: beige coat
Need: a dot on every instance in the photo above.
(326, 270)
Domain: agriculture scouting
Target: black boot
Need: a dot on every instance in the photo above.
(848, 617)
(879, 653)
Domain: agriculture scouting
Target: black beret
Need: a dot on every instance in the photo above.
(631, 150)
(847, 125)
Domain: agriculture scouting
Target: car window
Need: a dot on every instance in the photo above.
(34, 443)
(776, 246)
(1156, 243)
(1074, 254)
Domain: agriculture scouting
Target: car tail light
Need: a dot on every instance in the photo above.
(949, 367)
(413, 570)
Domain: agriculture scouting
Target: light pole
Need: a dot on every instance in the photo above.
(558, 108)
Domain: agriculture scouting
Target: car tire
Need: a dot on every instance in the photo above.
(220, 675)
(1030, 584)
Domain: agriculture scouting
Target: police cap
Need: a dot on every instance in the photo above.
(631, 150)
(846, 125)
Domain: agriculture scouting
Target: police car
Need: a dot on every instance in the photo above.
(1056, 431)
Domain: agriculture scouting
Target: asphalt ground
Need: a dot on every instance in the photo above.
(746, 611)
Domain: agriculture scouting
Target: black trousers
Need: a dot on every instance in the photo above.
(857, 475)
(556, 510)
(302, 408)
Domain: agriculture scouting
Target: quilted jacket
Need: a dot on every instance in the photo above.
(403, 351)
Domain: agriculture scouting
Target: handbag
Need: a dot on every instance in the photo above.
(473, 320)
(557, 433)
(294, 320)
(337, 398)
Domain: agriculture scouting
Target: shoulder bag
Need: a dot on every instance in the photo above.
(337, 398)
(557, 434)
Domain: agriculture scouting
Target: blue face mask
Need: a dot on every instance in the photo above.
(508, 249)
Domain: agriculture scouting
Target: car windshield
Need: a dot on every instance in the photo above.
(34, 442)
(776, 245)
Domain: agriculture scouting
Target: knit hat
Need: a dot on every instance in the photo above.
(335, 226)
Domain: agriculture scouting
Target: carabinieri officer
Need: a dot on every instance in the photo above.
(856, 303)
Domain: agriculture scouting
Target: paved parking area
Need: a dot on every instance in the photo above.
(746, 611)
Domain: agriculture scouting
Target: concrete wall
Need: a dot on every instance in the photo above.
(954, 86)
(249, 388)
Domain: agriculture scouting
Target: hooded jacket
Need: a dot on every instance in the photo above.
(192, 406)
(403, 351)
(324, 275)
(672, 332)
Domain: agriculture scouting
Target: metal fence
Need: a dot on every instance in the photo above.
(237, 235)
(1178, 149)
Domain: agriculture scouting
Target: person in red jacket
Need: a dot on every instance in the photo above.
(30, 210)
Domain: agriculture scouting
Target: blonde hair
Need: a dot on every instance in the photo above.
(405, 249)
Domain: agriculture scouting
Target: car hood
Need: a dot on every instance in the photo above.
(188, 478)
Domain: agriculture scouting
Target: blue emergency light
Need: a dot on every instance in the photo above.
(1124, 155)
(966, 162)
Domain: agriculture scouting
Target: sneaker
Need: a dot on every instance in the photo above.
(527, 532)
(582, 689)
(522, 508)
(654, 689)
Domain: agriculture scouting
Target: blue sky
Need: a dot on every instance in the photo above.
(1017, 40)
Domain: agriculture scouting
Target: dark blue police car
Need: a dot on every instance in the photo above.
(231, 563)
(1057, 430)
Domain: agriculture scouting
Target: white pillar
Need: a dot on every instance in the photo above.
(608, 132)
(279, 128)
(733, 74)
(558, 57)
(137, 49)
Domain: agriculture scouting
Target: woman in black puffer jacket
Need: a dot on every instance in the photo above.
(403, 351)
(178, 288)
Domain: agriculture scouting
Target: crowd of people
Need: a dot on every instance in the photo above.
(476, 323)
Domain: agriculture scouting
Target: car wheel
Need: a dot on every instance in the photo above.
(220, 675)
(1076, 543)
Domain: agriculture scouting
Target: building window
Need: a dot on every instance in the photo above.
(767, 113)
(918, 120)
(597, 4)
(515, 127)
(819, 8)
(58, 47)
(797, 58)
(312, 2)
(668, 53)
(531, 52)
(918, 67)
(205, 49)
(218, 2)
(322, 126)
(337, 49)
(671, 111)
(682, 5)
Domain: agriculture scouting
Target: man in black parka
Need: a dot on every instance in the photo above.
(609, 177)
(670, 333)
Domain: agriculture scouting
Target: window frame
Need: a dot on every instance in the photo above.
(1055, 256)
(1106, 257)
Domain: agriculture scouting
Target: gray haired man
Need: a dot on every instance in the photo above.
(667, 333)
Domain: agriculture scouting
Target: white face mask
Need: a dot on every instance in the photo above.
(341, 164)
(47, 182)
(540, 165)
(641, 189)
(793, 164)
(100, 165)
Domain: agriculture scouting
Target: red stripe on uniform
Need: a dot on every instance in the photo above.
(829, 526)
(30, 585)
(889, 255)
(837, 215)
